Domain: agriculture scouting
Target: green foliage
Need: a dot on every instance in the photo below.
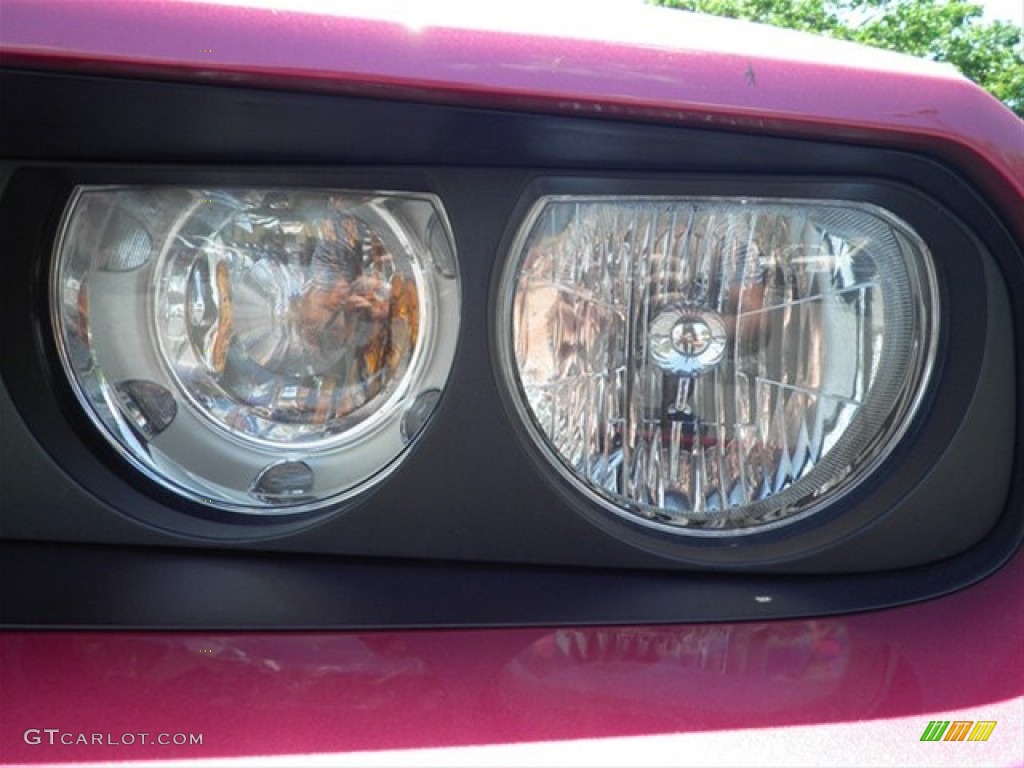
(988, 52)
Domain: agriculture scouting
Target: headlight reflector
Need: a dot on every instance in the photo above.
(256, 349)
(716, 366)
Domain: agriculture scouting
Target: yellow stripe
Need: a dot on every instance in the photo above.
(982, 730)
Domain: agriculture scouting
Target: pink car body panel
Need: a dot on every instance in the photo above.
(637, 63)
(870, 682)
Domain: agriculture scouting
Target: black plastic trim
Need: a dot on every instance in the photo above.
(95, 587)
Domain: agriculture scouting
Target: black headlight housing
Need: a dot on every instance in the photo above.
(476, 527)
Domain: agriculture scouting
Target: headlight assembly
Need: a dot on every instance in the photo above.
(716, 366)
(258, 350)
(294, 373)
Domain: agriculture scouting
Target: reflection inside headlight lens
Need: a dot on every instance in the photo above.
(713, 366)
(256, 348)
(288, 322)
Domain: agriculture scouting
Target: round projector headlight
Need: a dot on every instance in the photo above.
(716, 366)
(260, 350)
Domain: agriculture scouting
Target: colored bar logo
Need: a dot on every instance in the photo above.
(958, 730)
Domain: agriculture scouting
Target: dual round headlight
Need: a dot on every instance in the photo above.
(258, 350)
(716, 366)
(702, 365)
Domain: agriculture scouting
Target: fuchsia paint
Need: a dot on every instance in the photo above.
(299, 693)
(669, 67)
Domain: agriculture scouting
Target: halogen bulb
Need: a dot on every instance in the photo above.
(688, 341)
(717, 366)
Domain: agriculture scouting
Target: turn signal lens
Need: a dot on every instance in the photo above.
(256, 349)
(716, 366)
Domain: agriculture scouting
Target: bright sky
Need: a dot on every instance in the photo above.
(1009, 10)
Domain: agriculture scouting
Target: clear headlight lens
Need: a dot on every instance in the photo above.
(716, 366)
(257, 349)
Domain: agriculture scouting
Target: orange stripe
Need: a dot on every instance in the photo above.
(958, 730)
